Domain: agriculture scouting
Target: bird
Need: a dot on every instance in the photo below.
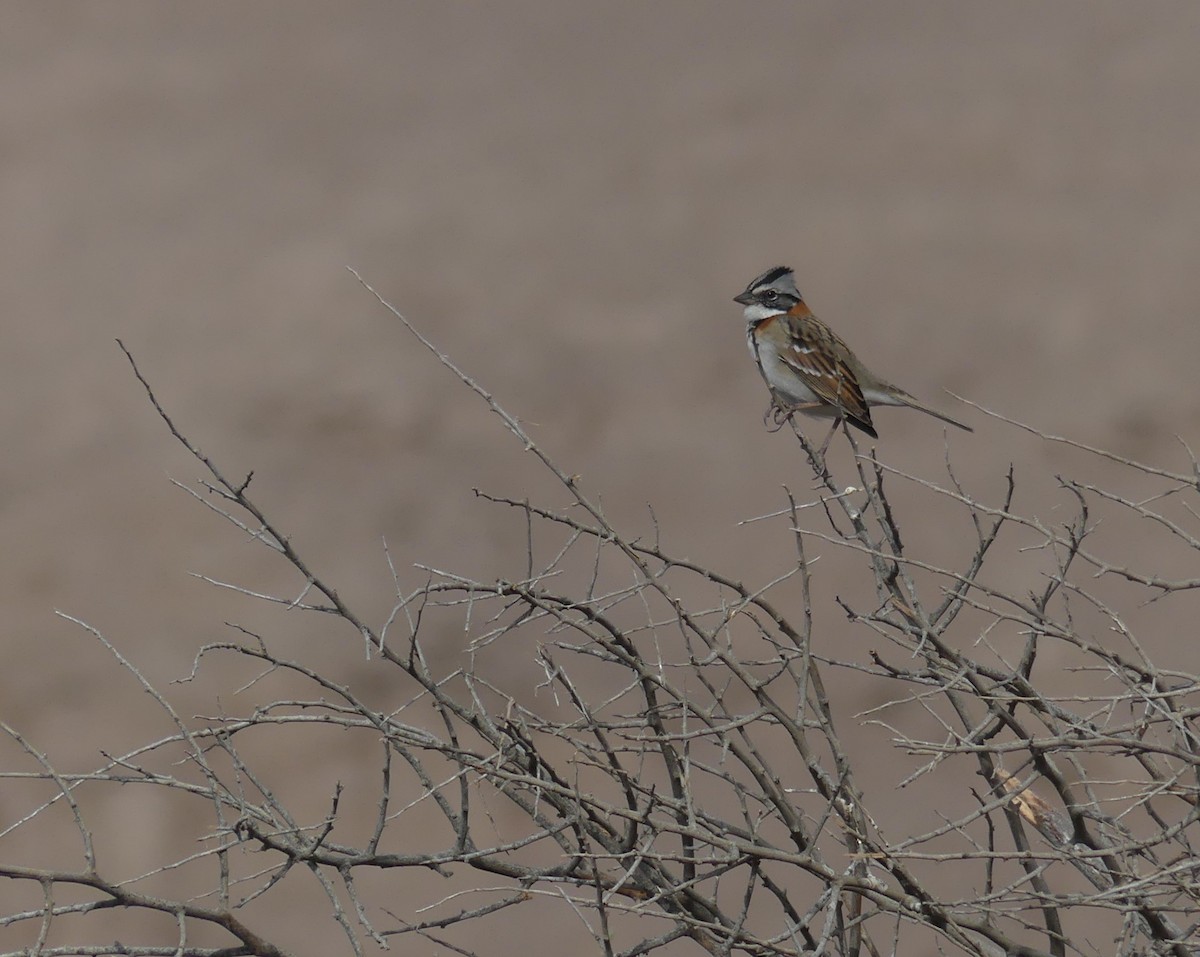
(807, 366)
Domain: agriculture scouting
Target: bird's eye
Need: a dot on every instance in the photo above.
(770, 295)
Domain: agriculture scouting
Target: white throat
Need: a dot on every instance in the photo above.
(757, 312)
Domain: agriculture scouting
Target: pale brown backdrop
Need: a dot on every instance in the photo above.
(997, 199)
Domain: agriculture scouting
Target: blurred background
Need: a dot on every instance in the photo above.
(994, 199)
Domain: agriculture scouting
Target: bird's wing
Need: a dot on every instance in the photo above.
(824, 362)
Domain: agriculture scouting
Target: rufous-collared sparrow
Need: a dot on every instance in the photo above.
(807, 366)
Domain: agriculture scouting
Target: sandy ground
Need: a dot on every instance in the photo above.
(995, 199)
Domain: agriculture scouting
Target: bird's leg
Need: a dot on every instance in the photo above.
(837, 422)
(777, 416)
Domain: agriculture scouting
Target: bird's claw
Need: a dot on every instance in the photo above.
(776, 417)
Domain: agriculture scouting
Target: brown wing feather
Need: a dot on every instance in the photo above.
(820, 358)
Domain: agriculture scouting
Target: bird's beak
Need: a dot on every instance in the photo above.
(745, 299)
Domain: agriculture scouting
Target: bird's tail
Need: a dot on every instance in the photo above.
(912, 403)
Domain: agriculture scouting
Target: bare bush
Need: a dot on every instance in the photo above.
(681, 776)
